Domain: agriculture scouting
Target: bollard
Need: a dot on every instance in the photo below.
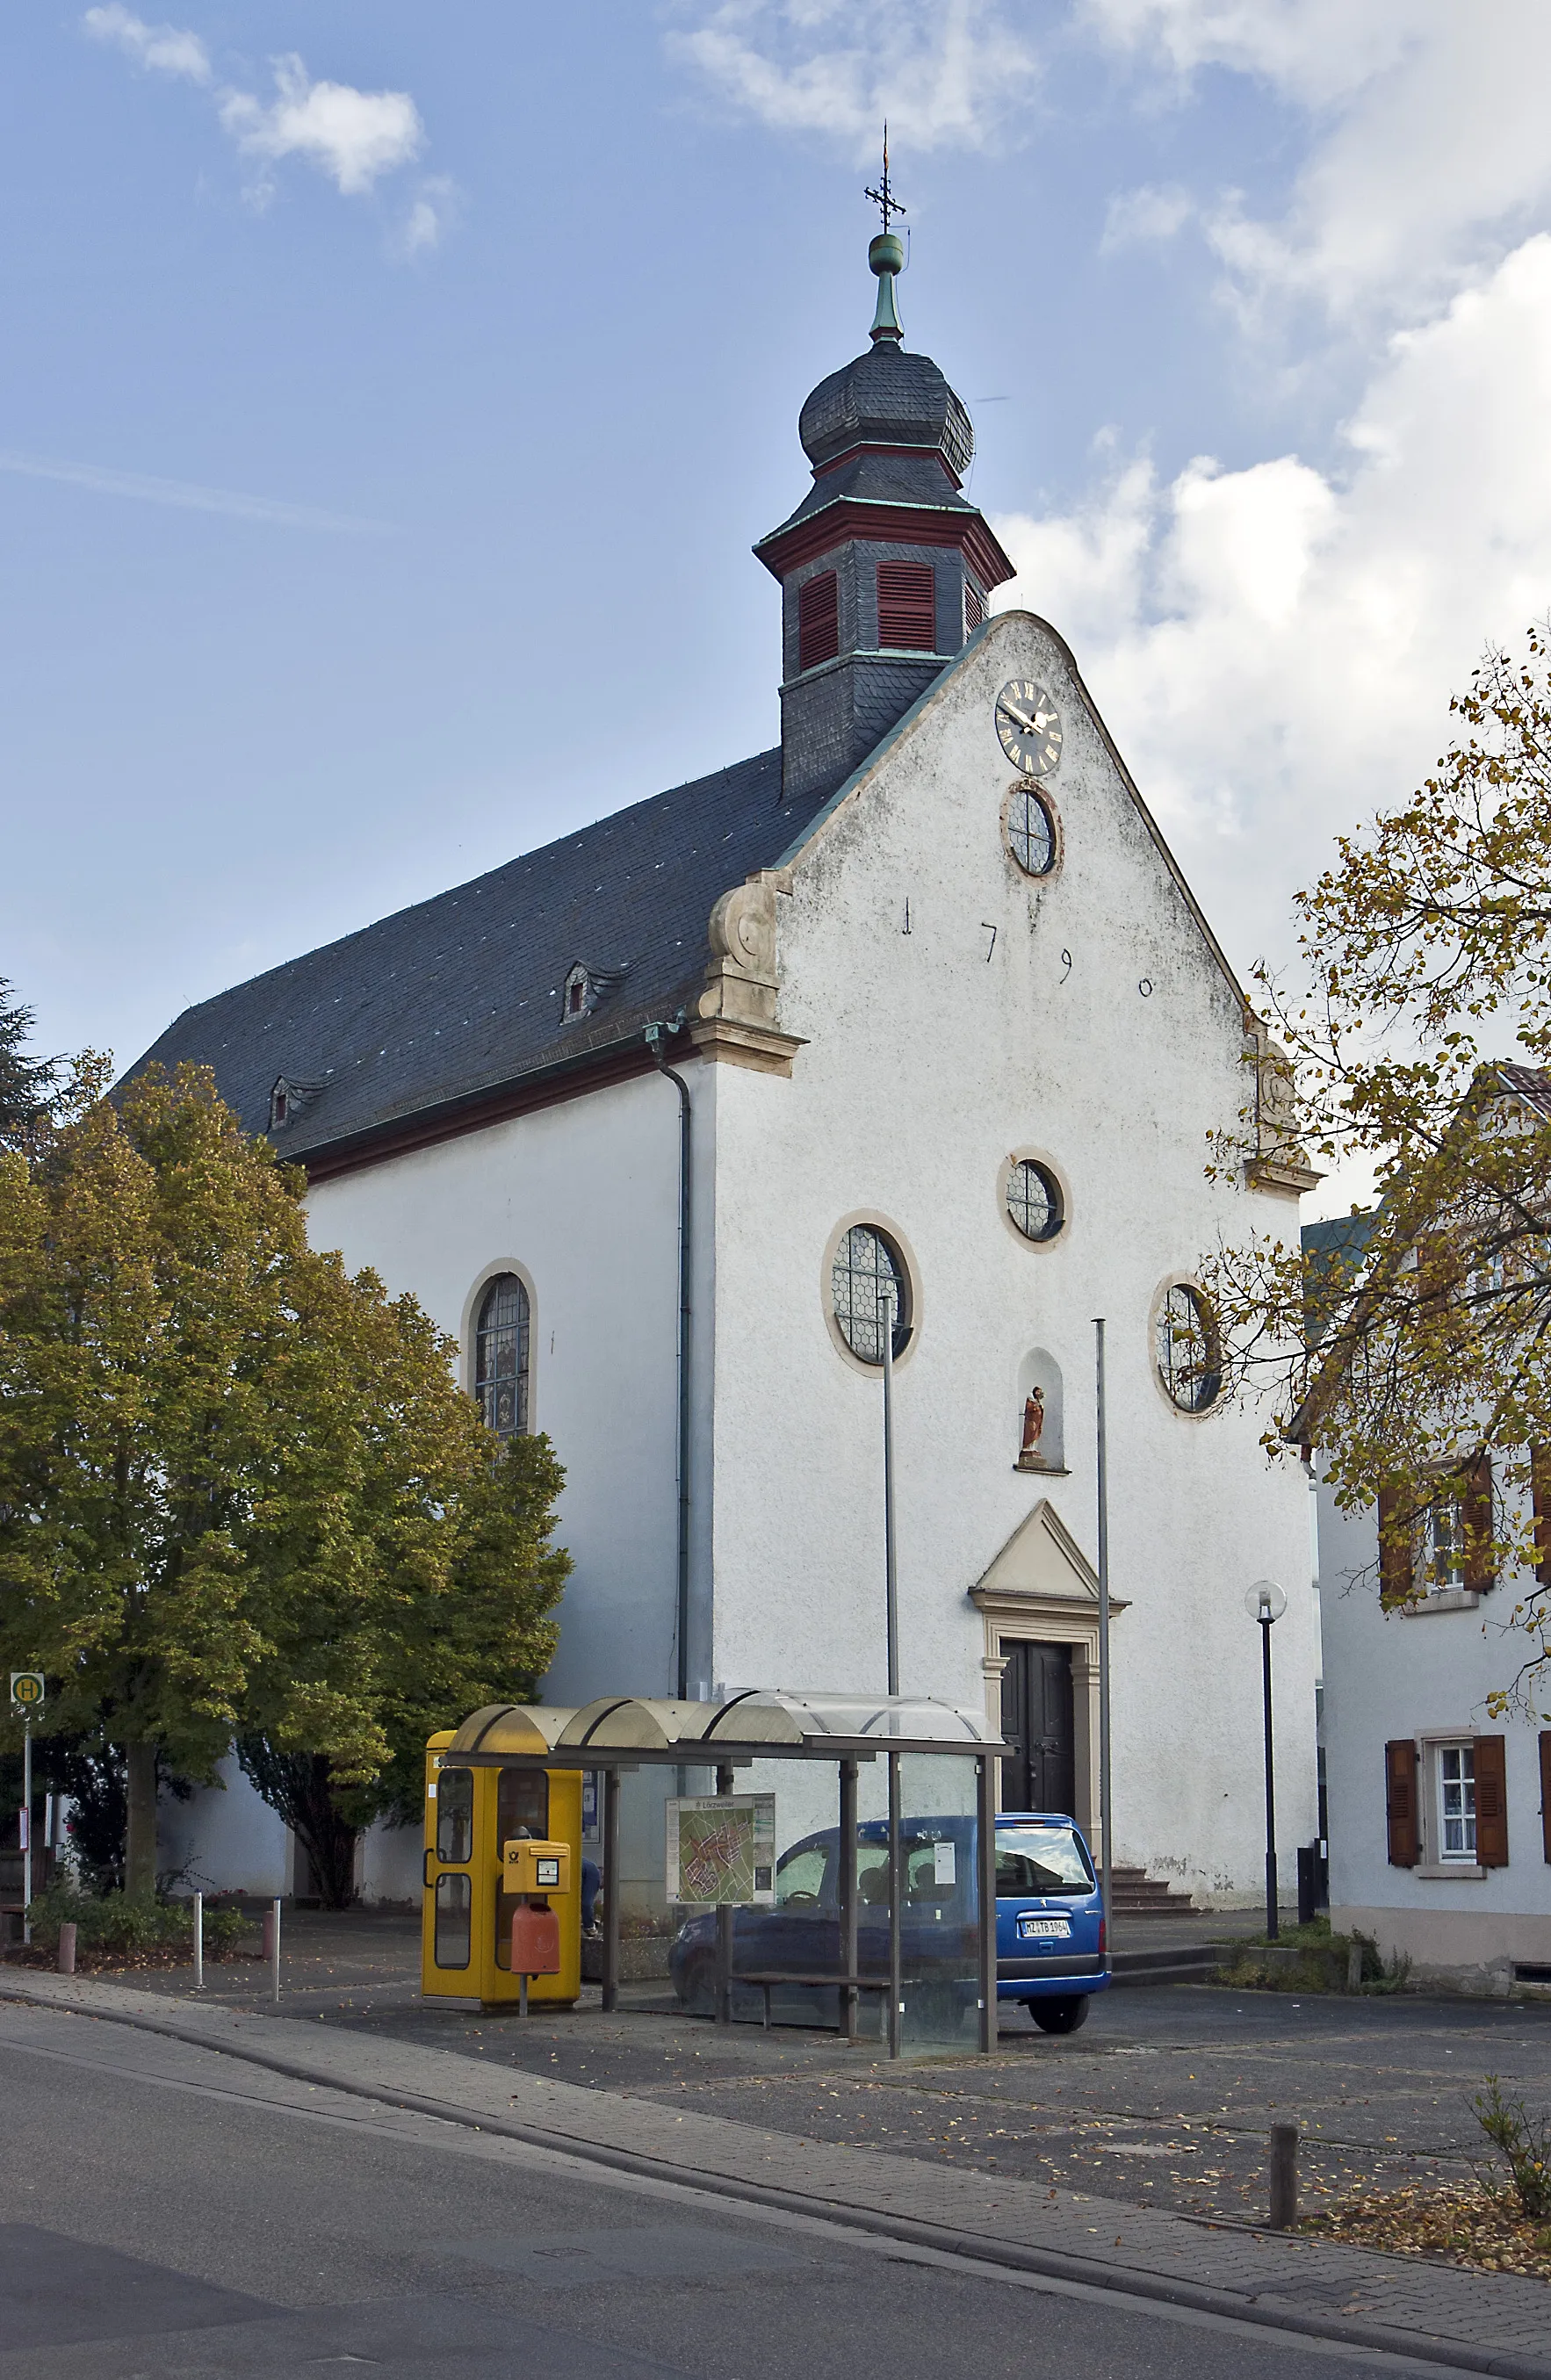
(199, 1941)
(1354, 1967)
(272, 1946)
(65, 1958)
(1284, 2176)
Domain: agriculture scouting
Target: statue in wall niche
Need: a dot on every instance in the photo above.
(1029, 1456)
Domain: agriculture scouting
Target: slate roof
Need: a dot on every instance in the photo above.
(890, 396)
(461, 994)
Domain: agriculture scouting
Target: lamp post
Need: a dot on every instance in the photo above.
(1266, 1602)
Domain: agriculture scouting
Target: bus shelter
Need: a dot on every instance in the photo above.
(909, 1891)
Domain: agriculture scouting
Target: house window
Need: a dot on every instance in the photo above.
(1456, 1773)
(868, 1276)
(1445, 1533)
(1189, 1365)
(907, 606)
(500, 1356)
(1031, 830)
(818, 620)
(974, 607)
(1033, 1200)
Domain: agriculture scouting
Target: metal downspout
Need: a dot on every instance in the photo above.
(656, 1034)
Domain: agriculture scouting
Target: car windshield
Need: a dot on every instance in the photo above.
(1040, 1859)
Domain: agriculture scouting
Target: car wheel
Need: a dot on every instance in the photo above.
(1063, 2015)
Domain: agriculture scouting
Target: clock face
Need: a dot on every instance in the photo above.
(1029, 726)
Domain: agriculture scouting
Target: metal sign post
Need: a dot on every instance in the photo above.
(28, 1691)
(1103, 1632)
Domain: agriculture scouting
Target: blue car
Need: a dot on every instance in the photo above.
(1050, 1946)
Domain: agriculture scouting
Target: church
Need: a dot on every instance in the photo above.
(911, 1025)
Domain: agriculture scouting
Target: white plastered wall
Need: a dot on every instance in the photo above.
(931, 1054)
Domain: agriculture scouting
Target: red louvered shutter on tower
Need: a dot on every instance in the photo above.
(818, 620)
(907, 606)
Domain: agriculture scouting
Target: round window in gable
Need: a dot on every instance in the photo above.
(868, 1282)
(1187, 1351)
(1035, 1201)
(1033, 832)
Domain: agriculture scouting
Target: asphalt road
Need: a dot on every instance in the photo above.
(169, 2213)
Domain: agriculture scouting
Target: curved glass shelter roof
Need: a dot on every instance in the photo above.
(759, 1723)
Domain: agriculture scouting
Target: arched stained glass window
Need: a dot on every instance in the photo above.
(1034, 1199)
(868, 1275)
(1031, 830)
(500, 1356)
(1189, 1363)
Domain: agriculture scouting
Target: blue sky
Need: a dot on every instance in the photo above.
(390, 395)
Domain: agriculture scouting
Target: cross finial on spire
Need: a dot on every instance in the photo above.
(883, 197)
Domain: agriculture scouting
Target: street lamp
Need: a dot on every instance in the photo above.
(1266, 1602)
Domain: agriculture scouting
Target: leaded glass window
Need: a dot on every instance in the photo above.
(1033, 1200)
(868, 1279)
(500, 1356)
(1031, 830)
(1188, 1364)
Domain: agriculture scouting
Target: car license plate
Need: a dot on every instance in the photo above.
(1044, 1929)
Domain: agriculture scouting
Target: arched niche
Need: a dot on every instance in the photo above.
(1039, 1443)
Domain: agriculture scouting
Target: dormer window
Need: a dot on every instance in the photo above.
(573, 1001)
(279, 1105)
(906, 607)
(818, 620)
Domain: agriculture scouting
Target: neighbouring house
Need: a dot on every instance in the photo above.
(911, 1024)
(1438, 1811)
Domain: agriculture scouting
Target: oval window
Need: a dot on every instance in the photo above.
(1034, 1199)
(1189, 1364)
(1031, 830)
(868, 1283)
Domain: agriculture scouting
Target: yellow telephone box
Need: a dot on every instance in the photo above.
(471, 1813)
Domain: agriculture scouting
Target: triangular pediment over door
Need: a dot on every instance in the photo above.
(1041, 1564)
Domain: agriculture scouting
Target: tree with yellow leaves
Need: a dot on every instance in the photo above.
(241, 1494)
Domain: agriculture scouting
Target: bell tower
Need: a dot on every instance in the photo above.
(885, 568)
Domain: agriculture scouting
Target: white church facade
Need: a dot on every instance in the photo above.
(926, 1003)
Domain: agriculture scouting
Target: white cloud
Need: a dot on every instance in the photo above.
(1154, 213)
(1427, 154)
(434, 210)
(943, 72)
(353, 135)
(1275, 647)
(185, 494)
(165, 47)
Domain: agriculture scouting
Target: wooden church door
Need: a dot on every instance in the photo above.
(1036, 1718)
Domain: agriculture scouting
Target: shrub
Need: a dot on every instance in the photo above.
(122, 1922)
(1524, 2146)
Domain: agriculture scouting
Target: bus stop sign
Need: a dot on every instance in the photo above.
(27, 1690)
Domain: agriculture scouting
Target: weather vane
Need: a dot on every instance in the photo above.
(883, 197)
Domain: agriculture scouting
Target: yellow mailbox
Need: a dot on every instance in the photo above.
(473, 1813)
(536, 1867)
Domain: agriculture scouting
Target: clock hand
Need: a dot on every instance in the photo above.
(1017, 718)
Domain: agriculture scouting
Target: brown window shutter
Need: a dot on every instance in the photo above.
(907, 606)
(818, 620)
(1545, 1795)
(1539, 1496)
(1491, 1801)
(1396, 1559)
(1399, 1800)
(1475, 1514)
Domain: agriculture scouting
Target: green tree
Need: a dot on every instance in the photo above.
(1414, 1345)
(27, 1086)
(240, 1492)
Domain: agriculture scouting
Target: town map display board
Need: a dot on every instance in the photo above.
(721, 1850)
